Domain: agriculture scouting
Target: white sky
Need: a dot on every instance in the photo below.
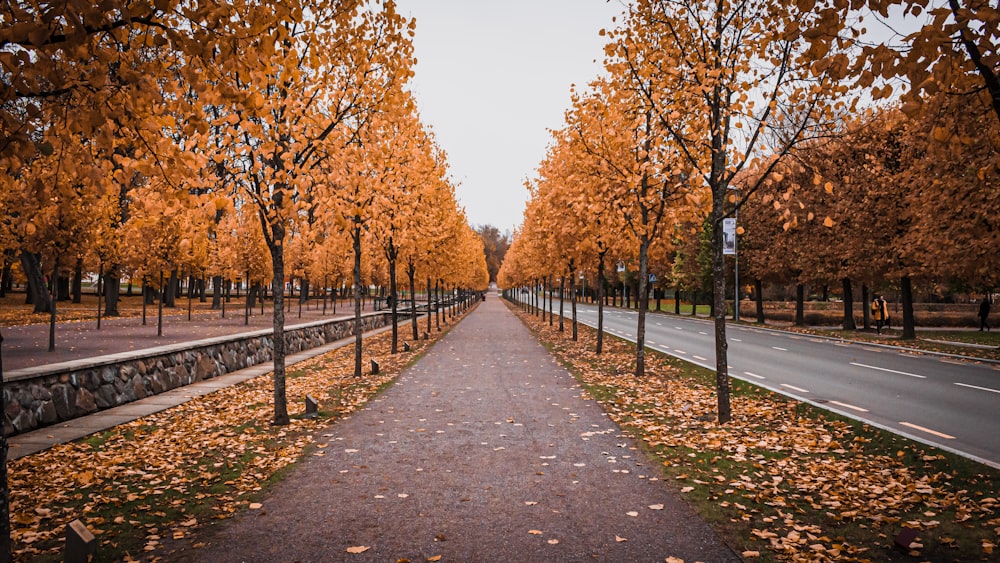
(492, 77)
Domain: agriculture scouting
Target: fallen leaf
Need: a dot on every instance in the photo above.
(434, 558)
(530, 502)
(750, 554)
(553, 542)
(358, 549)
(620, 539)
(687, 489)
(256, 506)
(535, 532)
(656, 507)
(632, 513)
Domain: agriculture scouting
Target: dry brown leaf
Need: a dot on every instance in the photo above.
(358, 549)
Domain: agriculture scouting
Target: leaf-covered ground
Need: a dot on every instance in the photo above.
(169, 474)
(784, 481)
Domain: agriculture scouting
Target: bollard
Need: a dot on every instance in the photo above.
(312, 407)
(374, 367)
(81, 544)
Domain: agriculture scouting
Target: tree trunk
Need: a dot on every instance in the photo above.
(393, 304)
(159, 308)
(430, 305)
(168, 293)
(722, 384)
(572, 286)
(643, 304)
(277, 248)
(758, 290)
(562, 301)
(411, 274)
(356, 236)
(6, 545)
(550, 300)
(848, 305)
(76, 287)
(677, 300)
(800, 305)
(437, 310)
(62, 288)
(866, 307)
(52, 310)
(37, 294)
(6, 279)
(909, 322)
(600, 303)
(216, 292)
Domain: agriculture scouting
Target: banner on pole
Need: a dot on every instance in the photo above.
(729, 236)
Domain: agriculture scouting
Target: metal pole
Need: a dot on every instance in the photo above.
(736, 257)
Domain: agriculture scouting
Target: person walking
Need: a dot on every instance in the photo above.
(984, 313)
(880, 311)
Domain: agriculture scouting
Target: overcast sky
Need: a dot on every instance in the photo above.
(491, 78)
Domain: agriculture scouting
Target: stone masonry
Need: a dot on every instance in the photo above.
(46, 395)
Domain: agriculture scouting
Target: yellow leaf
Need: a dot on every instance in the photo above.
(256, 506)
(828, 222)
(358, 549)
(535, 532)
(434, 558)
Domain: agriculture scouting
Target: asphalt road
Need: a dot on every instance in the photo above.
(950, 403)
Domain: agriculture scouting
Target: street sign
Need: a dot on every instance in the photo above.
(729, 236)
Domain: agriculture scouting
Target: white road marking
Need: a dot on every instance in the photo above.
(846, 406)
(780, 349)
(736, 340)
(679, 328)
(700, 358)
(889, 370)
(794, 388)
(703, 333)
(680, 351)
(754, 375)
(928, 430)
(977, 387)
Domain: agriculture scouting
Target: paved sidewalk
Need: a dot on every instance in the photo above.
(26, 346)
(484, 450)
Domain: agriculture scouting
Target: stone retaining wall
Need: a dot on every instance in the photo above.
(37, 397)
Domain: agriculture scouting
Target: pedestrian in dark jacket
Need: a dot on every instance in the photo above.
(984, 314)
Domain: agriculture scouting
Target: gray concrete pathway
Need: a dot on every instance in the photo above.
(484, 450)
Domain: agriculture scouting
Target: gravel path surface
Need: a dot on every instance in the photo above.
(484, 450)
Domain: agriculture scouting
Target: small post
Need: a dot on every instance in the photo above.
(312, 407)
(374, 367)
(80, 543)
(406, 346)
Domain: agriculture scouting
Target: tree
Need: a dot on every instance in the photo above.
(316, 69)
(726, 82)
(495, 244)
